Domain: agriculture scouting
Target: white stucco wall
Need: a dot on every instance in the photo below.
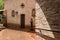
(16, 6)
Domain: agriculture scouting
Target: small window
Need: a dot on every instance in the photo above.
(22, 5)
(16, 12)
(33, 12)
(13, 13)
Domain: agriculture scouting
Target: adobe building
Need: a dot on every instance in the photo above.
(19, 12)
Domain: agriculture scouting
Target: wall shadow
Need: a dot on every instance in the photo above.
(51, 11)
(18, 27)
(45, 37)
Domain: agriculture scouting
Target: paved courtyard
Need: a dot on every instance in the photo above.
(25, 34)
(9, 34)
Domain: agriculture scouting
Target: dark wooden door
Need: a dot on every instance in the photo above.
(22, 20)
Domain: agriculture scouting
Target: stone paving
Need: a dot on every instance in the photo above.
(8, 34)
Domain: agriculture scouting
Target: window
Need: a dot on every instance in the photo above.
(13, 13)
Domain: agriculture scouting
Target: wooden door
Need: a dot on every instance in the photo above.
(22, 20)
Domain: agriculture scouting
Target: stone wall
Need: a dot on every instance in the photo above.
(47, 17)
(50, 10)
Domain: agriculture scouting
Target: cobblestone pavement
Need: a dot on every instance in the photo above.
(8, 34)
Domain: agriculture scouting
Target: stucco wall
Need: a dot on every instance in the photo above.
(16, 6)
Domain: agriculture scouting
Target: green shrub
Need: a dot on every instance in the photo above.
(1, 4)
(1, 19)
